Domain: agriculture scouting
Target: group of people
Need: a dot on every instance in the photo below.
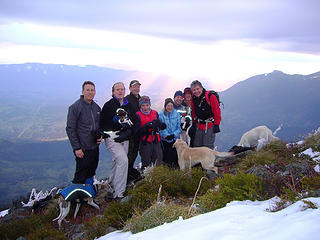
(129, 125)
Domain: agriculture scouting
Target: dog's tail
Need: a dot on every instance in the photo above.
(277, 130)
(224, 154)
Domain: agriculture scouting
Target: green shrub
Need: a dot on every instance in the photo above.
(232, 187)
(46, 232)
(312, 142)
(261, 158)
(154, 216)
(96, 227)
(118, 213)
(311, 183)
(32, 227)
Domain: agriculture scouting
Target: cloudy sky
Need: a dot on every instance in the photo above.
(221, 41)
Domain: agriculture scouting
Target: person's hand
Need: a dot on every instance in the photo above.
(170, 137)
(125, 126)
(79, 153)
(105, 135)
(99, 140)
(123, 136)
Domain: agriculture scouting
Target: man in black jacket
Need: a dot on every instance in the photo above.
(83, 132)
(118, 147)
(133, 99)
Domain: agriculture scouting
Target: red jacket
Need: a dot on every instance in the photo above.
(144, 119)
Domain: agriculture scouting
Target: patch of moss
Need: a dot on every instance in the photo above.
(232, 187)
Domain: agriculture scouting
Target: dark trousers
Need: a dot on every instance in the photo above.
(133, 150)
(86, 166)
(150, 153)
(170, 156)
(133, 174)
(204, 139)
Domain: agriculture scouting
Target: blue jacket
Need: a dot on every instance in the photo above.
(173, 122)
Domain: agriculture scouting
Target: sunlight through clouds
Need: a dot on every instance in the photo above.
(222, 63)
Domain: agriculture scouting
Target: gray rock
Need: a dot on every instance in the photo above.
(260, 171)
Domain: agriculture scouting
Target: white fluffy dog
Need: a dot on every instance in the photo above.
(258, 137)
(188, 157)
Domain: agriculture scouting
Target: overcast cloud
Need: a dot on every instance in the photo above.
(224, 41)
(293, 22)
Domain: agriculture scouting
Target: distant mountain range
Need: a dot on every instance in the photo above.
(271, 99)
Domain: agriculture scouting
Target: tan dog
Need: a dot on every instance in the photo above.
(188, 157)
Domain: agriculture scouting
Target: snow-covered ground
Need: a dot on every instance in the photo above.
(238, 220)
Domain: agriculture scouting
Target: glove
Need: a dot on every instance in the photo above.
(216, 128)
(104, 134)
(156, 123)
(169, 137)
(163, 126)
(125, 126)
(123, 136)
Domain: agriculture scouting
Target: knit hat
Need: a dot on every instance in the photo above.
(144, 99)
(168, 100)
(178, 93)
(187, 90)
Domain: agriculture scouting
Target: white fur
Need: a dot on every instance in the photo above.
(258, 136)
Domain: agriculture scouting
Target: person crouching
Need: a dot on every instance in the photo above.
(147, 128)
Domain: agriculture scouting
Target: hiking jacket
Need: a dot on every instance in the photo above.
(134, 101)
(204, 108)
(173, 122)
(150, 135)
(109, 118)
(83, 124)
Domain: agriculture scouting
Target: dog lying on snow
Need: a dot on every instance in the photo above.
(258, 137)
(77, 193)
(188, 157)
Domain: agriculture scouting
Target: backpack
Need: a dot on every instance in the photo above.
(209, 94)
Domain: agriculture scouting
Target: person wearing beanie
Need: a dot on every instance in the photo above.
(147, 128)
(133, 99)
(206, 116)
(169, 135)
(178, 99)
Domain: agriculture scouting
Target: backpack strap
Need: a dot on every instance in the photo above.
(208, 94)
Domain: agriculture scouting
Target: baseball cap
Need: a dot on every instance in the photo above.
(134, 82)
